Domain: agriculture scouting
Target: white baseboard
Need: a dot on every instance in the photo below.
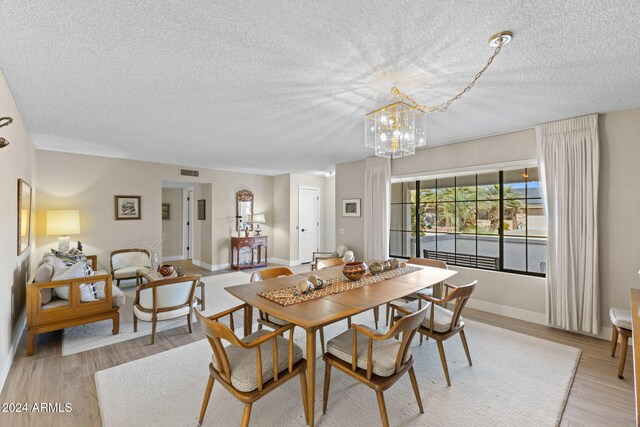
(504, 310)
(17, 334)
(529, 316)
(172, 258)
(211, 267)
(283, 261)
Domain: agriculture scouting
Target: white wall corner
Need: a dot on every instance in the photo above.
(210, 267)
(17, 335)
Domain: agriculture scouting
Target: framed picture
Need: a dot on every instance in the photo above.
(128, 207)
(202, 209)
(165, 210)
(24, 216)
(351, 207)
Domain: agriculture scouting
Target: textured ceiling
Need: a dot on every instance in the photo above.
(283, 86)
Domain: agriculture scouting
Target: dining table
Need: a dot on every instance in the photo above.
(316, 313)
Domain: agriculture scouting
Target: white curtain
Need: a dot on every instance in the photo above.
(377, 178)
(569, 157)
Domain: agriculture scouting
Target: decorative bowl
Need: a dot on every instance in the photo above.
(394, 263)
(354, 270)
(376, 267)
(166, 270)
(386, 265)
(317, 282)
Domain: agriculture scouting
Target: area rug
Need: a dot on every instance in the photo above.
(516, 380)
(98, 334)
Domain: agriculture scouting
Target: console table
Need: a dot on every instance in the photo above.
(258, 246)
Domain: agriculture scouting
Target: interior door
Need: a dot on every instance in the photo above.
(308, 223)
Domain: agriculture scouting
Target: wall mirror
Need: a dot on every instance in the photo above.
(244, 210)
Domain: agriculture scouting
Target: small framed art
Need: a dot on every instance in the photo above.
(351, 207)
(166, 208)
(202, 209)
(128, 207)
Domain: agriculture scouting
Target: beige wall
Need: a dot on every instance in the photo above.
(281, 205)
(619, 210)
(329, 214)
(18, 160)
(172, 227)
(202, 231)
(350, 185)
(89, 183)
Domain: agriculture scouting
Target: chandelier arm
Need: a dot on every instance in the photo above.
(443, 107)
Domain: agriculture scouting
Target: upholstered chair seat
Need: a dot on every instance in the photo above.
(128, 272)
(243, 361)
(383, 357)
(441, 317)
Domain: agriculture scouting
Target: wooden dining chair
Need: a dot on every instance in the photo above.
(622, 328)
(425, 262)
(329, 262)
(251, 367)
(375, 358)
(165, 299)
(267, 319)
(441, 323)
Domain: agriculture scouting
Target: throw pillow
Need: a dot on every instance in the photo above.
(45, 274)
(76, 271)
(71, 257)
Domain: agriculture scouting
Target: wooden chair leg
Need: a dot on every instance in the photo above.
(443, 359)
(31, 343)
(135, 323)
(153, 330)
(322, 339)
(116, 324)
(118, 282)
(466, 347)
(624, 341)
(383, 409)
(189, 322)
(327, 381)
(416, 390)
(303, 387)
(614, 340)
(246, 414)
(205, 401)
(376, 315)
(349, 322)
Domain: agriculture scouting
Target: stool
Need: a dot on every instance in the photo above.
(621, 319)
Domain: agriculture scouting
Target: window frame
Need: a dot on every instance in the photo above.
(414, 210)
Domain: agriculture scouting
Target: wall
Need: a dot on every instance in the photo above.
(350, 185)
(172, 239)
(329, 214)
(202, 231)
(281, 209)
(524, 296)
(95, 180)
(17, 160)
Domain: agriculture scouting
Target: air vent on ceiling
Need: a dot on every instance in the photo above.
(187, 172)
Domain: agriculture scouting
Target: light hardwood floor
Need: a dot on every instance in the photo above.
(597, 397)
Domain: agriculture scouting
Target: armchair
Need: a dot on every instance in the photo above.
(125, 263)
(251, 367)
(341, 252)
(163, 300)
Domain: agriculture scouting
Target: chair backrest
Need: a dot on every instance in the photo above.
(407, 326)
(167, 294)
(270, 273)
(329, 262)
(216, 332)
(428, 262)
(130, 258)
(460, 295)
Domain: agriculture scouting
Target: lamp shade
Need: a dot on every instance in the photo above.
(259, 219)
(63, 222)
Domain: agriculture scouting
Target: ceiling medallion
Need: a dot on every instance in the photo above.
(395, 130)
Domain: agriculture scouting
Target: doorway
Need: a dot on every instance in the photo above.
(308, 223)
(177, 221)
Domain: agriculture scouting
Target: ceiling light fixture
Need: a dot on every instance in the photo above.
(4, 121)
(397, 129)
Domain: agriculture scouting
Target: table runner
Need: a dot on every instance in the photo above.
(336, 285)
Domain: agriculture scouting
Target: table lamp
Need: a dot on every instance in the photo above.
(61, 223)
(258, 219)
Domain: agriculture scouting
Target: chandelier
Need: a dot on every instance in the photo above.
(397, 129)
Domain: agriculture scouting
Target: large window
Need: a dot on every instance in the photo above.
(491, 220)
